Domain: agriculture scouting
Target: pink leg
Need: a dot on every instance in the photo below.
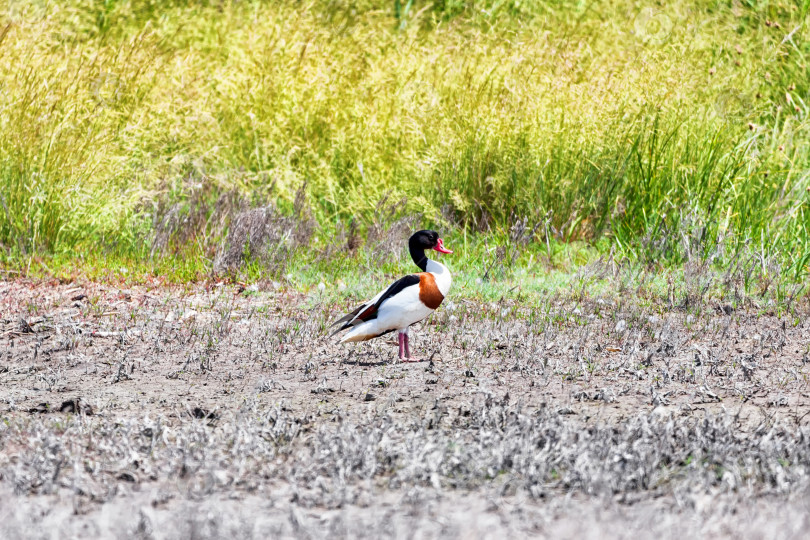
(408, 351)
(402, 345)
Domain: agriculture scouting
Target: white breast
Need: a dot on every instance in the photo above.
(442, 275)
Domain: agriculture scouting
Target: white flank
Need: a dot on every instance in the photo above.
(401, 310)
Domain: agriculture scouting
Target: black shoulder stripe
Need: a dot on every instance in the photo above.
(368, 312)
(396, 287)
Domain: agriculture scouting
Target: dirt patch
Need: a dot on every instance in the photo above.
(221, 393)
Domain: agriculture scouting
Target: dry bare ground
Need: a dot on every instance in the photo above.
(211, 412)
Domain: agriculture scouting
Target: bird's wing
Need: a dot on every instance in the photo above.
(368, 310)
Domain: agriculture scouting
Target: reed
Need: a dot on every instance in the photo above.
(613, 120)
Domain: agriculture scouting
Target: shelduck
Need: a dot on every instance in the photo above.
(406, 301)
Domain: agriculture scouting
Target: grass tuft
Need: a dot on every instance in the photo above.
(609, 123)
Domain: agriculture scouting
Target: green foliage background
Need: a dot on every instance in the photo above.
(615, 120)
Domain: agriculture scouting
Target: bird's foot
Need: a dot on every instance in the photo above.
(412, 359)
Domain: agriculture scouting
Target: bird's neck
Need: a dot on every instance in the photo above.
(440, 271)
(419, 258)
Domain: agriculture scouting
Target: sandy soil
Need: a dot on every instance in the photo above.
(342, 436)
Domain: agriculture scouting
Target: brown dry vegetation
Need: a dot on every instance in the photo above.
(215, 411)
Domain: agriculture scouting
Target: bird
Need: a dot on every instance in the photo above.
(405, 302)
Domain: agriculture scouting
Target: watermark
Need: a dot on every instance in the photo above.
(509, 496)
(106, 89)
(652, 27)
(422, 94)
(731, 103)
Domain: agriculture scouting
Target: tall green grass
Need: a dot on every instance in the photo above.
(614, 120)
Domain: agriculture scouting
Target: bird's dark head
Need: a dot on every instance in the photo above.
(427, 240)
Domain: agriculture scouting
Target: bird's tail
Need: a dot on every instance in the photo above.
(346, 320)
